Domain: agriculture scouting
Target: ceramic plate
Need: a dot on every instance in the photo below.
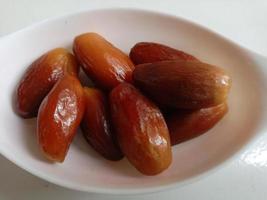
(84, 169)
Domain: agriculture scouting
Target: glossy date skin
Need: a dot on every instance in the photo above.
(186, 124)
(96, 125)
(59, 117)
(183, 84)
(39, 79)
(105, 64)
(141, 130)
(149, 52)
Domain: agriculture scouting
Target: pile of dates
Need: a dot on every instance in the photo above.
(139, 105)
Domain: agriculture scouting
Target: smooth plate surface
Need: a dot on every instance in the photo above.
(83, 168)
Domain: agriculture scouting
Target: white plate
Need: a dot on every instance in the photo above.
(84, 169)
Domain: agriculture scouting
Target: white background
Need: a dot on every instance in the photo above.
(243, 21)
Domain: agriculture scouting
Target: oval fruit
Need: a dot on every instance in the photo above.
(105, 64)
(40, 78)
(183, 84)
(186, 124)
(59, 117)
(96, 125)
(150, 52)
(141, 130)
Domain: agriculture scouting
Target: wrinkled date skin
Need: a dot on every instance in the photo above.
(183, 84)
(105, 64)
(141, 130)
(96, 125)
(59, 117)
(39, 79)
(149, 52)
(184, 124)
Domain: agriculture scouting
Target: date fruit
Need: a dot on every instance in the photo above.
(141, 130)
(105, 64)
(96, 125)
(39, 79)
(183, 84)
(150, 52)
(185, 124)
(59, 117)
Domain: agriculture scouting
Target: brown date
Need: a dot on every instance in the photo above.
(105, 64)
(141, 130)
(59, 116)
(96, 126)
(40, 78)
(150, 52)
(183, 84)
(186, 124)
